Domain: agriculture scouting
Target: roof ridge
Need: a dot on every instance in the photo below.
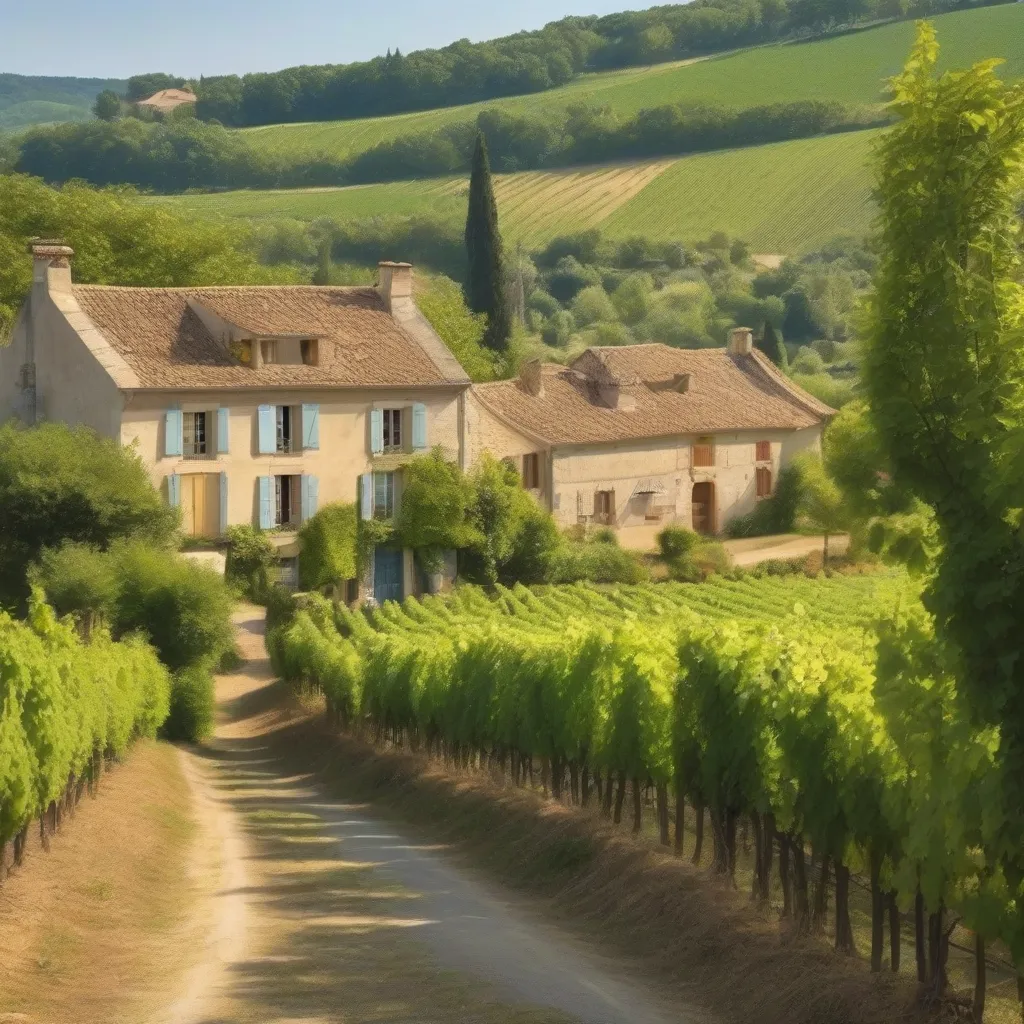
(227, 287)
(791, 389)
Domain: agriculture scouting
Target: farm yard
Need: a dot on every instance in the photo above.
(787, 197)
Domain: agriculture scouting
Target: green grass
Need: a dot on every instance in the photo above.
(786, 197)
(849, 68)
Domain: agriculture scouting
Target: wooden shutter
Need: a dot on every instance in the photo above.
(174, 490)
(310, 425)
(266, 486)
(763, 451)
(419, 427)
(376, 431)
(267, 423)
(173, 440)
(366, 496)
(310, 496)
(223, 431)
(223, 504)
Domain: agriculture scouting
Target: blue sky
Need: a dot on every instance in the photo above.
(118, 38)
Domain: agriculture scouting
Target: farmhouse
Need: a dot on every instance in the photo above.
(640, 436)
(247, 404)
(166, 100)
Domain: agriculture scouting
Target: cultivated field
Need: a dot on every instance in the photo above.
(787, 197)
(849, 68)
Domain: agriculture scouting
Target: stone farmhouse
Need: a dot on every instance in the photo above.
(166, 100)
(639, 436)
(259, 404)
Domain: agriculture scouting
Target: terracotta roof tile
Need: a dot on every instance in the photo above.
(168, 346)
(725, 393)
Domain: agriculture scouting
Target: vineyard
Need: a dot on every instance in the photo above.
(848, 68)
(66, 706)
(786, 197)
(814, 715)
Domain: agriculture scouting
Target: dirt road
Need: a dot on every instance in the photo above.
(326, 914)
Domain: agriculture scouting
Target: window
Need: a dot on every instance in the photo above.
(763, 451)
(704, 451)
(288, 500)
(392, 430)
(763, 480)
(285, 428)
(604, 507)
(194, 439)
(531, 471)
(383, 495)
(310, 351)
(268, 352)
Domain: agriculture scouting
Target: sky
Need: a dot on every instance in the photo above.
(118, 38)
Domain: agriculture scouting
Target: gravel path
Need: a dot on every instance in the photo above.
(325, 914)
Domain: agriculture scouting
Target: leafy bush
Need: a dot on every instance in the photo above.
(192, 702)
(676, 542)
(689, 556)
(78, 579)
(250, 560)
(808, 361)
(826, 388)
(776, 514)
(599, 563)
(327, 553)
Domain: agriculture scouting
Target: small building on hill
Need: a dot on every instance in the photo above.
(166, 100)
(248, 404)
(640, 436)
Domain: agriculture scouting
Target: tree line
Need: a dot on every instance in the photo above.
(526, 62)
(186, 154)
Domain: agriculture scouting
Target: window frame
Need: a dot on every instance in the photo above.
(531, 471)
(284, 429)
(195, 440)
(387, 509)
(701, 445)
(763, 482)
(604, 516)
(392, 423)
(762, 451)
(293, 493)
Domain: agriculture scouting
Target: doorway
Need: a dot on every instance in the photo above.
(702, 504)
(387, 574)
(200, 504)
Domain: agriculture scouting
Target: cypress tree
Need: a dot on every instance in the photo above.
(770, 343)
(322, 274)
(485, 290)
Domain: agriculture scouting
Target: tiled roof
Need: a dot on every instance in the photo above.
(725, 392)
(168, 346)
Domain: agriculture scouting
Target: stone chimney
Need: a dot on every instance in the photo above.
(531, 378)
(51, 265)
(394, 282)
(613, 395)
(741, 341)
(681, 382)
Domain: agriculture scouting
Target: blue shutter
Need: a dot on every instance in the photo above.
(223, 504)
(310, 425)
(366, 496)
(223, 429)
(266, 507)
(172, 433)
(174, 490)
(310, 496)
(377, 431)
(268, 430)
(419, 427)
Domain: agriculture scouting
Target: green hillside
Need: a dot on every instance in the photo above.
(849, 68)
(27, 100)
(787, 197)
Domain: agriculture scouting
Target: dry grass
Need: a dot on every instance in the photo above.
(87, 931)
(693, 935)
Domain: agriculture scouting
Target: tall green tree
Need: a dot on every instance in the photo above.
(821, 506)
(944, 373)
(485, 289)
(770, 343)
(107, 105)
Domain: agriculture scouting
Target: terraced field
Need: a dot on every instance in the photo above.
(849, 68)
(787, 197)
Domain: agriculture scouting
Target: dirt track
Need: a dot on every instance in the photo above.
(325, 914)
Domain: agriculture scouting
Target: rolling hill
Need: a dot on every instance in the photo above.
(27, 100)
(786, 197)
(849, 68)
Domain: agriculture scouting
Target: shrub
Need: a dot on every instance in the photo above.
(808, 361)
(592, 305)
(826, 388)
(676, 542)
(327, 553)
(78, 579)
(598, 563)
(605, 535)
(250, 560)
(192, 703)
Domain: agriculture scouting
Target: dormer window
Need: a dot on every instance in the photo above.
(268, 352)
(310, 351)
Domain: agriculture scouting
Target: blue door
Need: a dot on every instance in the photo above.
(387, 574)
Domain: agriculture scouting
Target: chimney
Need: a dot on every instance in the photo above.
(51, 264)
(741, 341)
(613, 395)
(531, 379)
(681, 382)
(395, 282)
